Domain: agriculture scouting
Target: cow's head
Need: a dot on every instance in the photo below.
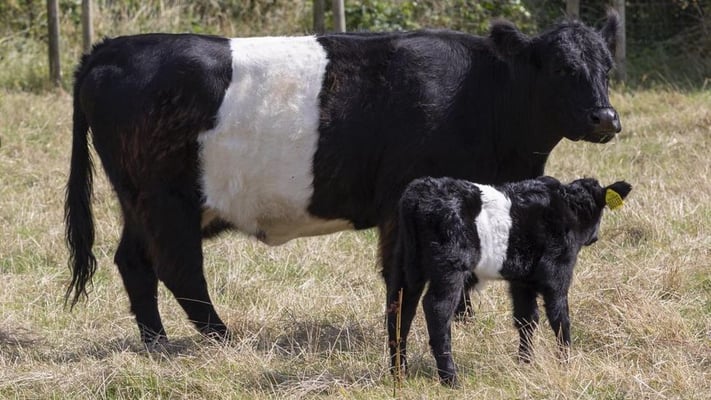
(563, 75)
(587, 199)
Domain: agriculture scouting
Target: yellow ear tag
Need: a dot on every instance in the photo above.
(613, 199)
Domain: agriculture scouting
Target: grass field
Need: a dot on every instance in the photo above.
(308, 316)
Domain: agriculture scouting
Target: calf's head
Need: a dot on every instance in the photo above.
(586, 199)
(562, 75)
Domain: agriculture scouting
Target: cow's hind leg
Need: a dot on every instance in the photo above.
(172, 221)
(141, 284)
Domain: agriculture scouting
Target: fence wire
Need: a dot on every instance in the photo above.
(647, 21)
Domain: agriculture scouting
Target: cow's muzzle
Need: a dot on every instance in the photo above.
(605, 120)
(604, 124)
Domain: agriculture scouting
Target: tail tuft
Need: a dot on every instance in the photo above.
(78, 218)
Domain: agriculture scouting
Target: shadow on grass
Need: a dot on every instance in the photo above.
(14, 344)
(334, 357)
(315, 383)
(288, 339)
(101, 350)
(334, 379)
(19, 338)
(316, 337)
(315, 358)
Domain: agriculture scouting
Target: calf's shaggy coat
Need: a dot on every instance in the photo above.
(455, 233)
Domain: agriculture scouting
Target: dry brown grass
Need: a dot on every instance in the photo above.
(308, 316)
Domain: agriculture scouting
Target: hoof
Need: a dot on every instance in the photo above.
(449, 380)
(156, 344)
(525, 358)
(218, 334)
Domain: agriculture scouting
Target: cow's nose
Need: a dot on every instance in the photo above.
(605, 120)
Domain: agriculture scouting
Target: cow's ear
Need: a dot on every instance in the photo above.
(610, 29)
(621, 187)
(508, 40)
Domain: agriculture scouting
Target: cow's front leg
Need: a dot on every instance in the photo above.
(439, 304)
(172, 220)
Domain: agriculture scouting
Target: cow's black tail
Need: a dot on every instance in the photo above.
(77, 207)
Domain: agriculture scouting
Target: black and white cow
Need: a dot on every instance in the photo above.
(455, 233)
(284, 137)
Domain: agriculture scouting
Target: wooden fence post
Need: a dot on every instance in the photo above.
(55, 70)
(339, 16)
(621, 43)
(319, 10)
(87, 25)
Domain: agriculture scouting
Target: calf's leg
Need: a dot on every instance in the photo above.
(439, 303)
(394, 281)
(525, 312)
(558, 316)
(408, 308)
(172, 222)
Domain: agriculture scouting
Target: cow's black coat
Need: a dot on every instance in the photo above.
(439, 243)
(394, 107)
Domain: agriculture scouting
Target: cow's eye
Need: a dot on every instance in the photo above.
(564, 71)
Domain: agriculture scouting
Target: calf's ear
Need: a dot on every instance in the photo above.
(615, 194)
(508, 40)
(610, 29)
(621, 187)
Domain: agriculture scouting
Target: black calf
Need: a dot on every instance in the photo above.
(455, 234)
